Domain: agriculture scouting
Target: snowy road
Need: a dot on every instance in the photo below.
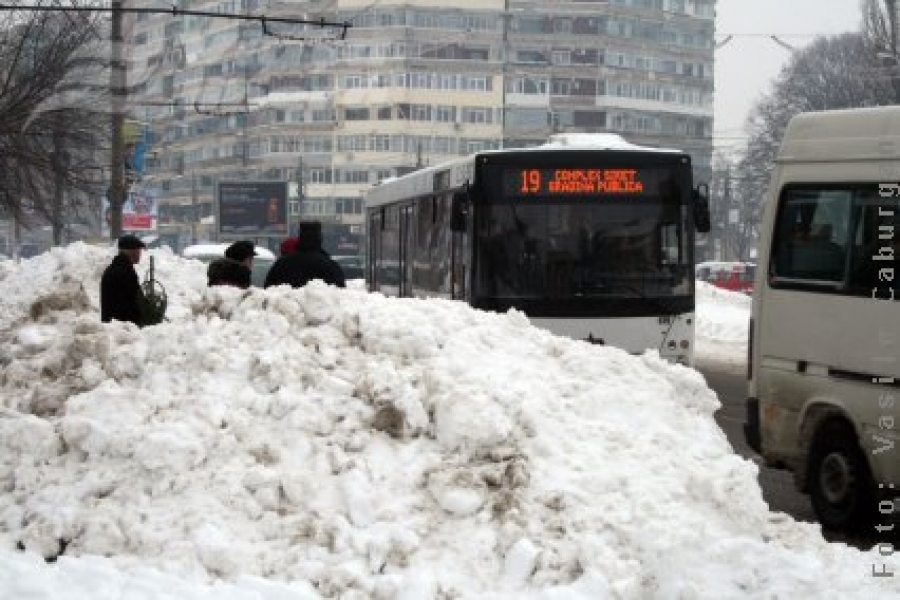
(777, 485)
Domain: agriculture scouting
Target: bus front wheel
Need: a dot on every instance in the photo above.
(839, 479)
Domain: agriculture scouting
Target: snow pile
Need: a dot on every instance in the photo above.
(333, 443)
(722, 329)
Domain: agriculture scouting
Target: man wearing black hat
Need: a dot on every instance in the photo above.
(235, 268)
(309, 261)
(120, 290)
(242, 251)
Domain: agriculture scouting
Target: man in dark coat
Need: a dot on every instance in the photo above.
(120, 290)
(225, 271)
(309, 261)
(235, 268)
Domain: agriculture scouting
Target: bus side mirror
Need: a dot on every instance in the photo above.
(701, 208)
(459, 209)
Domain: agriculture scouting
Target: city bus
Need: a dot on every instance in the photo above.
(589, 236)
(824, 351)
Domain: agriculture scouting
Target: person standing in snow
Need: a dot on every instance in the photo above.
(234, 268)
(120, 289)
(309, 261)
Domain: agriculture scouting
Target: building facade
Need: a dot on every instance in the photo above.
(413, 83)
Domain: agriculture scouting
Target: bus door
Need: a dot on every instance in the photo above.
(460, 236)
(407, 249)
(374, 251)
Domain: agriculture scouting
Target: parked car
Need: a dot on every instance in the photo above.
(208, 252)
(734, 276)
(352, 265)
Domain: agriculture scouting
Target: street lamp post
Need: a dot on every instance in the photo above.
(195, 217)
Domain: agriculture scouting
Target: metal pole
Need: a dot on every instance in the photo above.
(117, 80)
(506, 17)
(17, 239)
(300, 192)
(195, 217)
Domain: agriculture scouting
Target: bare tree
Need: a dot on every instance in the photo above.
(880, 29)
(52, 140)
(831, 73)
(880, 24)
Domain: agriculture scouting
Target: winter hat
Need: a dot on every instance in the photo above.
(240, 250)
(130, 242)
(310, 234)
(288, 246)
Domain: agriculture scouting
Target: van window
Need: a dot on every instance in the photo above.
(843, 238)
(810, 242)
(875, 251)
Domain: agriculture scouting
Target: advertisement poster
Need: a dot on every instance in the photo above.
(139, 213)
(253, 208)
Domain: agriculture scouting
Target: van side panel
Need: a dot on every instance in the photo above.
(818, 353)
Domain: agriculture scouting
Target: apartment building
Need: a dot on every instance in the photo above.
(413, 83)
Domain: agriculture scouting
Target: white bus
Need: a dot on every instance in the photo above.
(588, 235)
(824, 360)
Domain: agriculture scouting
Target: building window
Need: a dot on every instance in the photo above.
(356, 114)
(561, 57)
(420, 112)
(322, 115)
(476, 115)
(381, 143)
(355, 176)
(322, 175)
(446, 114)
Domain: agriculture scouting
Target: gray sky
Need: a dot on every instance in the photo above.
(747, 65)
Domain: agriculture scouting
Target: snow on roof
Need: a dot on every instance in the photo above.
(604, 141)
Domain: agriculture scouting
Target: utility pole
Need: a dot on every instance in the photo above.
(504, 73)
(117, 83)
(194, 215)
(300, 192)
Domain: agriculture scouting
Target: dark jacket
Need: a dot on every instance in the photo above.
(120, 292)
(308, 262)
(225, 271)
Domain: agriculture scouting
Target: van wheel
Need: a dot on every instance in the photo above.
(839, 479)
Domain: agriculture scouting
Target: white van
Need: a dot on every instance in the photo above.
(824, 356)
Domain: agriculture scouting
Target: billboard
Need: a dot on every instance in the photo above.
(252, 208)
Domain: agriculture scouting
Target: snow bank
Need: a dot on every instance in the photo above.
(328, 443)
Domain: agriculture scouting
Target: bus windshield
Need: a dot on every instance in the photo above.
(561, 249)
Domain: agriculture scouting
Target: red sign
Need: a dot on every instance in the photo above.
(132, 222)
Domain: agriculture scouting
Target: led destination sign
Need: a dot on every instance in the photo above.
(553, 182)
